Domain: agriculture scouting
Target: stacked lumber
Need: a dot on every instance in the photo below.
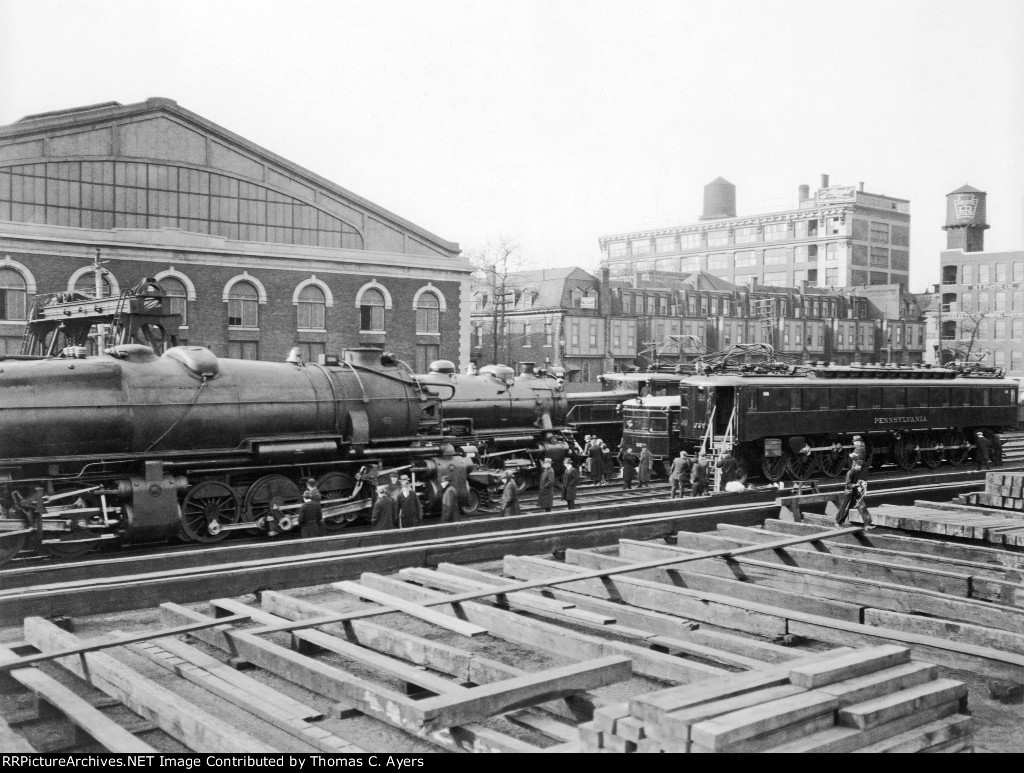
(873, 699)
(1003, 490)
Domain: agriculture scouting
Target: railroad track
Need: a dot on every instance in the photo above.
(128, 583)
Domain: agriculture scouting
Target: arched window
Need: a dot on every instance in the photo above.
(177, 294)
(428, 313)
(86, 284)
(243, 305)
(371, 310)
(12, 294)
(311, 308)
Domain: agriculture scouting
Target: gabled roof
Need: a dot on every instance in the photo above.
(67, 129)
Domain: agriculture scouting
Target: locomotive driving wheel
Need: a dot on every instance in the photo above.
(336, 485)
(956, 446)
(268, 492)
(773, 467)
(933, 454)
(207, 507)
(799, 465)
(12, 534)
(905, 451)
(830, 461)
(470, 502)
(79, 539)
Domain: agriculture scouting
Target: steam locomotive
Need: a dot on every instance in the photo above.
(787, 421)
(137, 447)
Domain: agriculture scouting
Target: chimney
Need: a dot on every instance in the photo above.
(824, 181)
(804, 192)
(860, 187)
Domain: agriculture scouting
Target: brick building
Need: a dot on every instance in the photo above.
(259, 254)
(979, 313)
(570, 318)
(838, 237)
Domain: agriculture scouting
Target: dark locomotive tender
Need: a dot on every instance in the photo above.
(144, 448)
(795, 424)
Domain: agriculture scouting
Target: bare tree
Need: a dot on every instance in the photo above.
(495, 267)
(963, 350)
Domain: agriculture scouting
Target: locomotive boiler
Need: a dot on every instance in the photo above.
(141, 448)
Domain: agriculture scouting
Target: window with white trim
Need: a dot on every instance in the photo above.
(243, 307)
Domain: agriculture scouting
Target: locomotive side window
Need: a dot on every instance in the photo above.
(981, 397)
(869, 397)
(938, 397)
(1002, 397)
(917, 397)
(894, 397)
(837, 399)
(795, 403)
(959, 397)
(815, 399)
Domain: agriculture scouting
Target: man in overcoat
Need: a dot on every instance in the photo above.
(546, 486)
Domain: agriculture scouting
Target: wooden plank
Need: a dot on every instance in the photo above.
(726, 648)
(766, 741)
(396, 669)
(691, 579)
(478, 703)
(653, 706)
(233, 676)
(873, 593)
(197, 729)
(952, 630)
(525, 601)
(879, 683)
(415, 610)
(462, 665)
(546, 725)
(676, 724)
(889, 708)
(258, 705)
(840, 740)
(927, 547)
(107, 733)
(728, 729)
(903, 558)
(849, 666)
(707, 607)
(7, 663)
(553, 638)
(465, 572)
(940, 580)
(955, 728)
(376, 701)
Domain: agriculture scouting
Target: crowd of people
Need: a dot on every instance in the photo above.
(396, 505)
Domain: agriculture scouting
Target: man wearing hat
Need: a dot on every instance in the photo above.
(859, 448)
(410, 511)
(510, 495)
(982, 450)
(857, 487)
(383, 515)
(546, 486)
(450, 510)
(569, 484)
(394, 487)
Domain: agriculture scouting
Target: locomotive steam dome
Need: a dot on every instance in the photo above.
(442, 366)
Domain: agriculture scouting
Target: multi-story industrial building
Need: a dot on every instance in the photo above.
(838, 237)
(259, 254)
(980, 313)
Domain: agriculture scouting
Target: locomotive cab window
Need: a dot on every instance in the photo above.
(917, 397)
(938, 397)
(959, 396)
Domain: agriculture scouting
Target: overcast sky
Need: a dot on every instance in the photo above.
(558, 121)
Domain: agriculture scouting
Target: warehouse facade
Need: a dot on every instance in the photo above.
(259, 254)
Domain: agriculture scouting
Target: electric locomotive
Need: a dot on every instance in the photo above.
(786, 421)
